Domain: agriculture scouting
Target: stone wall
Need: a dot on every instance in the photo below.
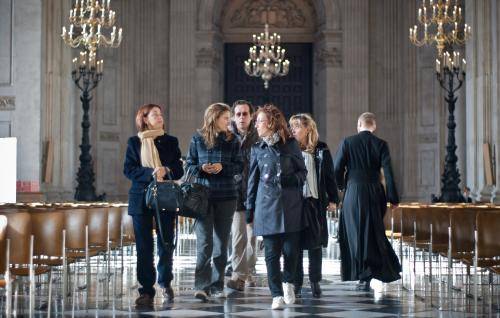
(172, 54)
(20, 85)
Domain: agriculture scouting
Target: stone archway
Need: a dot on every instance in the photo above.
(326, 37)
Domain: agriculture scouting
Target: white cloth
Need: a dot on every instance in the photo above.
(311, 185)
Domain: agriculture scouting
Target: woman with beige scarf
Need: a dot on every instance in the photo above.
(151, 153)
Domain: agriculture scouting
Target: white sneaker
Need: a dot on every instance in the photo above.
(278, 302)
(219, 294)
(289, 294)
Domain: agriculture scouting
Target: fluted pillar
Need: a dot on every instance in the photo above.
(183, 102)
(482, 94)
(355, 63)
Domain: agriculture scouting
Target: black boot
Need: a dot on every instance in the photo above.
(364, 285)
(316, 289)
(298, 291)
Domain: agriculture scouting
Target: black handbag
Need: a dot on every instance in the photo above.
(310, 236)
(194, 198)
(166, 196)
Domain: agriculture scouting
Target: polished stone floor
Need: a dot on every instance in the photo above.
(340, 299)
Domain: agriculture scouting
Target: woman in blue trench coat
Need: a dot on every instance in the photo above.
(274, 200)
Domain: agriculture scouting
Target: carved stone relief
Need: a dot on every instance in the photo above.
(331, 57)
(278, 13)
(208, 57)
(7, 102)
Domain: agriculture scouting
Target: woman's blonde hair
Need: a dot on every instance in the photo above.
(309, 124)
(209, 130)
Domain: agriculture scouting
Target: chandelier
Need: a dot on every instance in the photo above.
(88, 19)
(267, 58)
(444, 18)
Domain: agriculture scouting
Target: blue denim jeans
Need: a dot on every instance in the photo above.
(212, 240)
(146, 272)
(288, 245)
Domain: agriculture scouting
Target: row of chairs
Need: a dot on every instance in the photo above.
(461, 235)
(36, 239)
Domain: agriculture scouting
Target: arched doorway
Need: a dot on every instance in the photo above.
(296, 22)
(318, 23)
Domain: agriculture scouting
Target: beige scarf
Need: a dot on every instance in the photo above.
(149, 154)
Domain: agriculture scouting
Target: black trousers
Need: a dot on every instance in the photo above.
(315, 261)
(288, 245)
(146, 272)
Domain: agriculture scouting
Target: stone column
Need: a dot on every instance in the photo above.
(327, 83)
(479, 84)
(495, 118)
(356, 44)
(59, 102)
(183, 103)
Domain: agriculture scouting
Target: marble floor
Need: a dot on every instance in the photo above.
(340, 299)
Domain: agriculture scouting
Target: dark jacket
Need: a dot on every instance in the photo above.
(327, 187)
(246, 143)
(170, 155)
(227, 152)
(277, 174)
(359, 160)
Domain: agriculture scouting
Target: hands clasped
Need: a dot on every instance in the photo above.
(160, 173)
(212, 168)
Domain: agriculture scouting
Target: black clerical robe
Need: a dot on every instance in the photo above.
(364, 249)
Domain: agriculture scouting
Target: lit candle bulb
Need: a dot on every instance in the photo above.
(438, 66)
(63, 31)
(108, 4)
(463, 63)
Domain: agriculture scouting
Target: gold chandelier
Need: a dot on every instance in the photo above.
(267, 58)
(444, 18)
(88, 19)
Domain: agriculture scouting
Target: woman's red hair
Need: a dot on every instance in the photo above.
(142, 113)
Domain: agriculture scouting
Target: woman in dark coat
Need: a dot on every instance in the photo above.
(215, 160)
(320, 193)
(151, 152)
(274, 199)
(364, 249)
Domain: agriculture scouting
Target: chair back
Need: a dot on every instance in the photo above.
(3, 243)
(114, 221)
(488, 225)
(75, 221)
(98, 226)
(19, 233)
(47, 227)
(463, 224)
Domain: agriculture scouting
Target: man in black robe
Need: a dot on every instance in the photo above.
(365, 251)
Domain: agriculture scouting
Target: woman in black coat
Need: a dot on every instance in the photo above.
(151, 152)
(274, 199)
(320, 191)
